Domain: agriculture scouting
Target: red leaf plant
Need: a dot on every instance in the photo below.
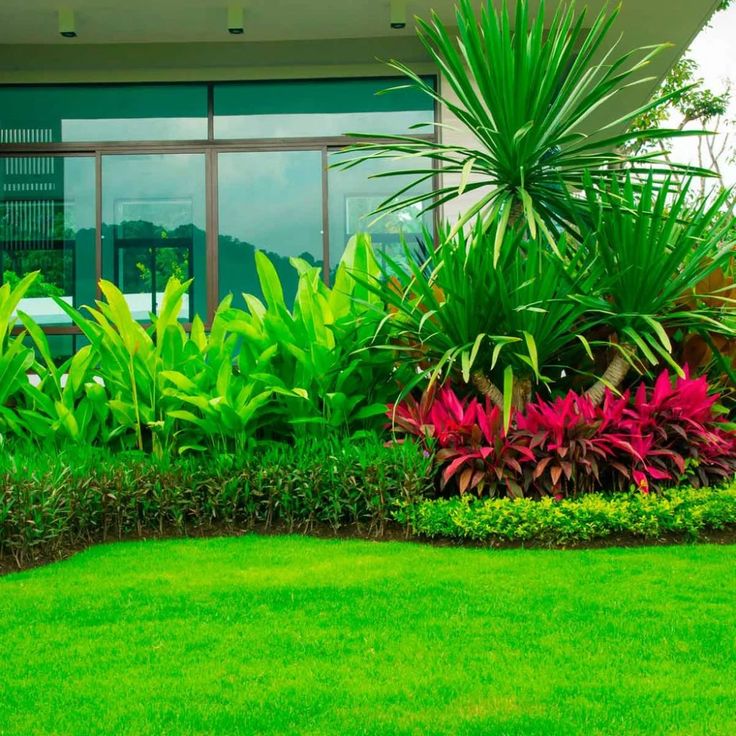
(568, 446)
(471, 446)
(679, 432)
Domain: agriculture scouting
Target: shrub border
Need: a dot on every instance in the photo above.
(678, 514)
(52, 505)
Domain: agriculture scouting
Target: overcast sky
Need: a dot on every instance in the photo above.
(714, 50)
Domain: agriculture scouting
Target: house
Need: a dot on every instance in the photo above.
(151, 138)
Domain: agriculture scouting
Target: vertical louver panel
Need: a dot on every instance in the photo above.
(28, 216)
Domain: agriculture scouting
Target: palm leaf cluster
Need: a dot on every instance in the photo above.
(539, 316)
(524, 92)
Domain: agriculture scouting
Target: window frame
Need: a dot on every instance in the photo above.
(210, 147)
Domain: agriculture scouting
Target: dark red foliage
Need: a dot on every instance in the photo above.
(471, 445)
(667, 434)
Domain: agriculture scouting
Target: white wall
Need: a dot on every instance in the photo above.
(453, 132)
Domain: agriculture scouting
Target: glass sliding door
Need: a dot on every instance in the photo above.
(120, 181)
(47, 224)
(270, 201)
(153, 228)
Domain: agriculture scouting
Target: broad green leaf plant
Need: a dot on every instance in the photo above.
(15, 356)
(131, 361)
(313, 354)
(270, 371)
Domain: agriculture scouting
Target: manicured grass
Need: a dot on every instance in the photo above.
(287, 635)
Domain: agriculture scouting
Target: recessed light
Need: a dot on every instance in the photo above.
(398, 14)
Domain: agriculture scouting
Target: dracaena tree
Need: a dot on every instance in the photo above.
(523, 91)
(580, 255)
(655, 252)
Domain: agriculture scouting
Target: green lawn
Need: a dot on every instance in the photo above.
(288, 635)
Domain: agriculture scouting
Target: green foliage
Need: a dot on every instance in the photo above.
(526, 96)
(41, 285)
(537, 314)
(685, 512)
(458, 311)
(653, 250)
(313, 355)
(508, 302)
(131, 361)
(55, 500)
(67, 403)
(686, 95)
(52, 500)
(15, 357)
(261, 373)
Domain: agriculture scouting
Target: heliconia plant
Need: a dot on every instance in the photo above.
(15, 357)
(313, 353)
(571, 445)
(270, 371)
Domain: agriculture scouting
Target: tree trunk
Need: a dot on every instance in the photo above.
(614, 375)
(487, 387)
(521, 394)
(517, 211)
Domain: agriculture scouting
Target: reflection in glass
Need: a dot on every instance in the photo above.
(116, 112)
(315, 108)
(354, 196)
(153, 228)
(269, 201)
(47, 224)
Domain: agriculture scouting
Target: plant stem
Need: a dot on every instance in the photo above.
(134, 391)
(487, 387)
(522, 393)
(614, 375)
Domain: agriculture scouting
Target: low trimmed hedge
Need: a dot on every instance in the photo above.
(681, 512)
(51, 502)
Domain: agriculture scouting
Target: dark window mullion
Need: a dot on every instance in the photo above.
(325, 216)
(210, 112)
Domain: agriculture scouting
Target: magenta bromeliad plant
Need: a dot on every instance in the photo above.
(567, 446)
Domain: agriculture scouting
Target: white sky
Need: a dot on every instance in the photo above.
(714, 50)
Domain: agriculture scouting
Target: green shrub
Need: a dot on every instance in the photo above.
(52, 501)
(313, 355)
(265, 372)
(686, 512)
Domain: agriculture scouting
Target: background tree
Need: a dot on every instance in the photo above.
(691, 104)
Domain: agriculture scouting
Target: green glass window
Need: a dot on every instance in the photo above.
(317, 108)
(155, 201)
(47, 224)
(66, 113)
(153, 228)
(270, 201)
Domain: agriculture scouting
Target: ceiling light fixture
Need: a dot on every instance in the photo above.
(235, 20)
(398, 14)
(67, 24)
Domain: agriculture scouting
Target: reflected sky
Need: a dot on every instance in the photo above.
(140, 129)
(315, 125)
(273, 200)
